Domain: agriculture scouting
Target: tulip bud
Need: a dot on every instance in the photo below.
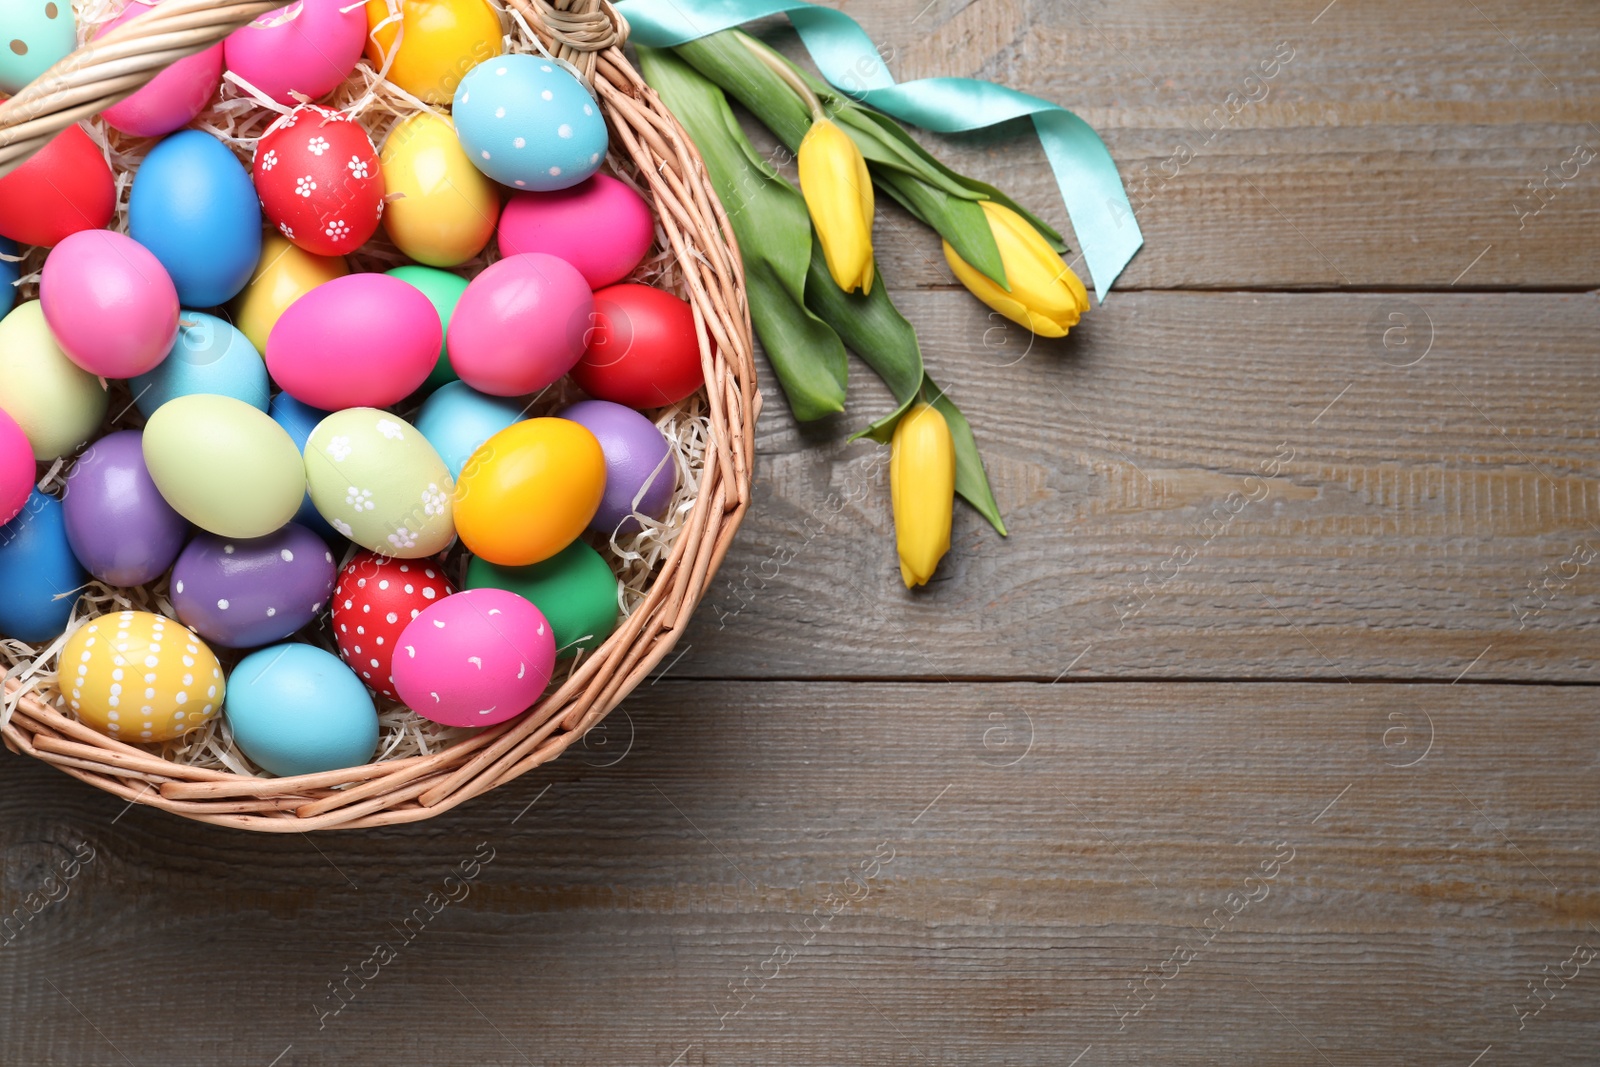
(1046, 297)
(922, 487)
(838, 193)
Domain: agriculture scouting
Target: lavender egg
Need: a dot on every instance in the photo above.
(244, 593)
(118, 524)
(639, 474)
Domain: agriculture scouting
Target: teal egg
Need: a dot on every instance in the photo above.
(295, 709)
(34, 36)
(37, 566)
(457, 419)
(209, 356)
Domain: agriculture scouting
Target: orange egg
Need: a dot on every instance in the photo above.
(529, 491)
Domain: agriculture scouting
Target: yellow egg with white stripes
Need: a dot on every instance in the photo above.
(140, 678)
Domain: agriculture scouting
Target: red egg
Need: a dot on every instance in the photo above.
(318, 177)
(643, 351)
(65, 188)
(375, 599)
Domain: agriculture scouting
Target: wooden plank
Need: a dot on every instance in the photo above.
(1038, 850)
(1423, 519)
(1392, 146)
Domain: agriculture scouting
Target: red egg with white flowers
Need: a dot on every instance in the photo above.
(319, 181)
(375, 599)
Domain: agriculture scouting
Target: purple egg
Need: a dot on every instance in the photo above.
(637, 466)
(244, 593)
(118, 525)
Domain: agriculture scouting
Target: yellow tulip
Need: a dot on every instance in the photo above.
(922, 487)
(1046, 297)
(838, 192)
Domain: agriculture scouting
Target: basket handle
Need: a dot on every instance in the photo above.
(115, 66)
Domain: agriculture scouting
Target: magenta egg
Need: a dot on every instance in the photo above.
(119, 526)
(109, 302)
(640, 475)
(600, 226)
(520, 325)
(364, 340)
(474, 658)
(308, 47)
(17, 468)
(172, 98)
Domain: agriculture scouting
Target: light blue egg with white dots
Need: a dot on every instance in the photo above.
(34, 35)
(9, 272)
(529, 123)
(209, 356)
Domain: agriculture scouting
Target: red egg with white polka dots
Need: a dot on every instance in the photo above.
(318, 178)
(375, 598)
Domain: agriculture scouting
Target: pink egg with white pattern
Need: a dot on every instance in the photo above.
(475, 658)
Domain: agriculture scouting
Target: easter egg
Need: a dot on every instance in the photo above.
(474, 659)
(38, 572)
(209, 356)
(120, 528)
(529, 491)
(446, 211)
(441, 42)
(17, 468)
(528, 123)
(285, 273)
(9, 272)
(298, 420)
(520, 325)
(319, 180)
(241, 594)
(380, 483)
(295, 709)
(37, 34)
(600, 226)
(58, 404)
(192, 205)
(308, 47)
(457, 419)
(170, 100)
(65, 187)
(642, 350)
(376, 598)
(443, 291)
(575, 589)
(140, 678)
(640, 475)
(364, 340)
(223, 465)
(109, 302)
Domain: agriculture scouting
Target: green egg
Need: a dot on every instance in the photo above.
(574, 588)
(58, 404)
(34, 35)
(379, 482)
(443, 290)
(224, 465)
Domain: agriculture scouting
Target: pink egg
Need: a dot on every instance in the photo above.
(309, 47)
(364, 340)
(110, 303)
(520, 325)
(16, 469)
(174, 97)
(600, 226)
(475, 658)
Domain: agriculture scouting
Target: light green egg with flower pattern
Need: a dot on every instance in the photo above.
(34, 35)
(379, 482)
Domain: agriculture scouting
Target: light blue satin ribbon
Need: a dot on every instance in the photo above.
(1090, 186)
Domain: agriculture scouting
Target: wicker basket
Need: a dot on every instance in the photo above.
(588, 34)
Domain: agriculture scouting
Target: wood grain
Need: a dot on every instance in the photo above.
(1048, 843)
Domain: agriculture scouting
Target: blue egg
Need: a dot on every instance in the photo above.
(298, 420)
(193, 205)
(528, 123)
(295, 709)
(9, 272)
(209, 356)
(457, 419)
(36, 566)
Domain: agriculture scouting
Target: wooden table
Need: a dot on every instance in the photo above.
(1193, 768)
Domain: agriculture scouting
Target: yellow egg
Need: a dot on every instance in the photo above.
(285, 274)
(443, 40)
(447, 209)
(529, 491)
(139, 677)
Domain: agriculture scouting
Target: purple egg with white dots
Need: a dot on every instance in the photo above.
(526, 122)
(245, 593)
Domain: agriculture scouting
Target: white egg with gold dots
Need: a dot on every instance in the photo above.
(140, 677)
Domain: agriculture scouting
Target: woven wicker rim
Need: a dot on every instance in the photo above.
(588, 34)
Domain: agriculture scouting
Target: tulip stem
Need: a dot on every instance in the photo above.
(781, 68)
